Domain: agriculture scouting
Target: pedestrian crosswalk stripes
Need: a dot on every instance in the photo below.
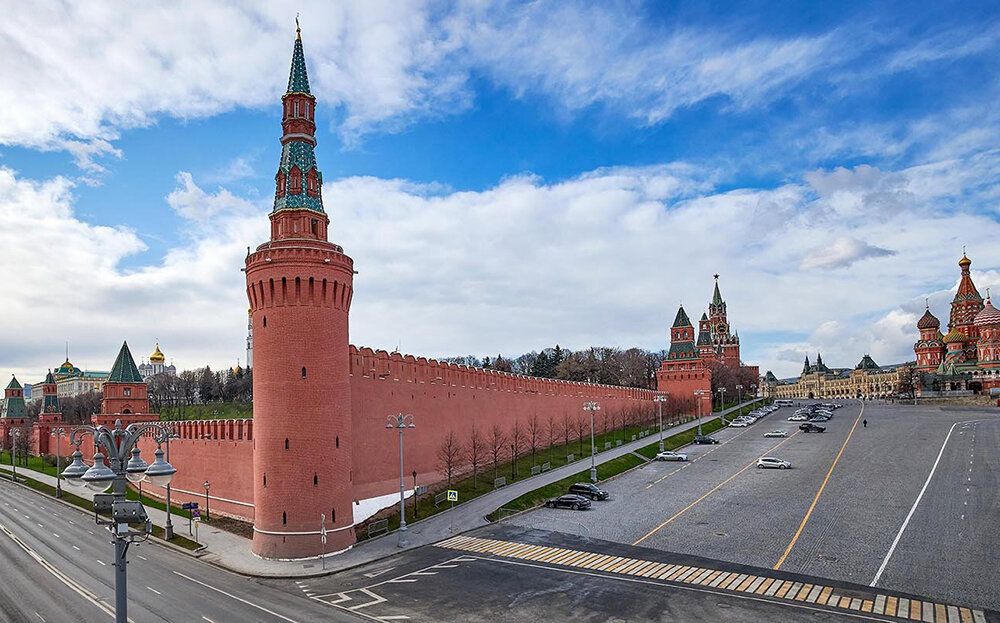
(758, 585)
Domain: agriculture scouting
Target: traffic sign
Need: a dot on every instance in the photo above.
(189, 505)
(452, 495)
(196, 513)
(196, 518)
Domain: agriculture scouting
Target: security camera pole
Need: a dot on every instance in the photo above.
(120, 447)
(659, 400)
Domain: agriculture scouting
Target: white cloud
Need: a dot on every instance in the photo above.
(841, 253)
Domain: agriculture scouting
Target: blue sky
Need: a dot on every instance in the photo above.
(505, 175)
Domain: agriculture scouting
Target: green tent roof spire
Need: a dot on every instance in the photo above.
(717, 297)
(298, 80)
(13, 383)
(124, 370)
(681, 320)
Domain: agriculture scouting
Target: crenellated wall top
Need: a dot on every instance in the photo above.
(405, 368)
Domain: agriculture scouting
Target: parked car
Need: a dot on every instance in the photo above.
(809, 427)
(671, 456)
(776, 433)
(576, 502)
(588, 490)
(820, 418)
(801, 417)
(772, 462)
(739, 424)
(704, 439)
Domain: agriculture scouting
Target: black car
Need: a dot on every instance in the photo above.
(576, 502)
(705, 439)
(809, 427)
(588, 490)
(820, 418)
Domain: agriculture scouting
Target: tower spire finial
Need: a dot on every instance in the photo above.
(298, 29)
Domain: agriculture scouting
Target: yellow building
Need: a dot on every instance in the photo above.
(866, 380)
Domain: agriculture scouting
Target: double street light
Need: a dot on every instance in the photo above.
(592, 406)
(699, 394)
(15, 435)
(401, 421)
(119, 447)
(659, 399)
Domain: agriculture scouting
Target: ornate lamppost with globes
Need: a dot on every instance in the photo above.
(119, 447)
(659, 400)
(58, 432)
(401, 421)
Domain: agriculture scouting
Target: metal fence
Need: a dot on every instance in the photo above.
(378, 527)
(440, 497)
(499, 482)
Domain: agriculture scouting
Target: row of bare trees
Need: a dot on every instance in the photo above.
(487, 448)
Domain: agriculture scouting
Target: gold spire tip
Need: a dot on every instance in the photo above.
(298, 30)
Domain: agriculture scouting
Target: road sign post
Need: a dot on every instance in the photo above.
(452, 497)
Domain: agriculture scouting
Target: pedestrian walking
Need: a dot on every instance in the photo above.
(865, 422)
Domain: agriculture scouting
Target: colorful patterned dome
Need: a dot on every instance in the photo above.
(928, 321)
(988, 316)
(954, 336)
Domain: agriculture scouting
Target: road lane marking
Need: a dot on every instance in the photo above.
(102, 563)
(76, 548)
(58, 574)
(205, 618)
(713, 490)
(154, 590)
(812, 506)
(239, 599)
(913, 509)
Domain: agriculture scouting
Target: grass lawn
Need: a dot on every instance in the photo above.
(604, 471)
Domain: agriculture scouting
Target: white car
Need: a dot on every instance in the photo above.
(798, 417)
(776, 433)
(739, 424)
(772, 462)
(671, 456)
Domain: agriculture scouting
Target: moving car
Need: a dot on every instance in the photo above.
(702, 439)
(820, 418)
(776, 433)
(772, 462)
(588, 490)
(671, 456)
(809, 427)
(576, 502)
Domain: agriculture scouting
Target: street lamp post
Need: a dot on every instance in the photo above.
(592, 406)
(401, 421)
(414, 494)
(659, 400)
(15, 434)
(118, 445)
(168, 529)
(58, 432)
(739, 396)
(722, 403)
(699, 393)
(207, 517)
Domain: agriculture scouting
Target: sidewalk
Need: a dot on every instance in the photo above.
(232, 552)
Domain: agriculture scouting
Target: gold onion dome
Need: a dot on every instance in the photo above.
(157, 356)
(965, 261)
(954, 336)
(988, 316)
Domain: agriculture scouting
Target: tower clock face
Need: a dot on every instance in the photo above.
(721, 328)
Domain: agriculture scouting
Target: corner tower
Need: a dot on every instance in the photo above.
(299, 286)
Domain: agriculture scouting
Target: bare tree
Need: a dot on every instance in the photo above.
(518, 436)
(475, 450)
(566, 428)
(580, 426)
(449, 455)
(551, 428)
(535, 432)
(496, 442)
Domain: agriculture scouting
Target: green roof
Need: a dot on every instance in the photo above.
(682, 350)
(14, 407)
(124, 370)
(49, 378)
(13, 383)
(717, 297)
(298, 81)
(681, 320)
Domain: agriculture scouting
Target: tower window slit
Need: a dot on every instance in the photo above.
(286, 443)
(303, 372)
(284, 518)
(315, 479)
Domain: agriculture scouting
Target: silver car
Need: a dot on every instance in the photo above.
(772, 462)
(671, 456)
(776, 433)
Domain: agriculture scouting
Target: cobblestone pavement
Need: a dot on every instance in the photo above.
(719, 506)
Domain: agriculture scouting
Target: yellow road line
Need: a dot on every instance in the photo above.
(805, 519)
(687, 463)
(713, 490)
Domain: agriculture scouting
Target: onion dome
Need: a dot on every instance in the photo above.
(965, 262)
(928, 321)
(157, 356)
(954, 336)
(988, 316)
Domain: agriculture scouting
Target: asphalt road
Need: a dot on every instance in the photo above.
(720, 507)
(436, 584)
(59, 570)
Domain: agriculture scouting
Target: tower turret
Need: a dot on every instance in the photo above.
(988, 323)
(125, 390)
(13, 406)
(299, 287)
(964, 307)
(929, 349)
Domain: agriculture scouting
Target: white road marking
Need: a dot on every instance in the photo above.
(154, 590)
(899, 535)
(59, 575)
(76, 548)
(143, 558)
(102, 563)
(207, 619)
(239, 599)
(40, 617)
(55, 535)
(379, 572)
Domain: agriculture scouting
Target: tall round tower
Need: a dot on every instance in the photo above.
(299, 285)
